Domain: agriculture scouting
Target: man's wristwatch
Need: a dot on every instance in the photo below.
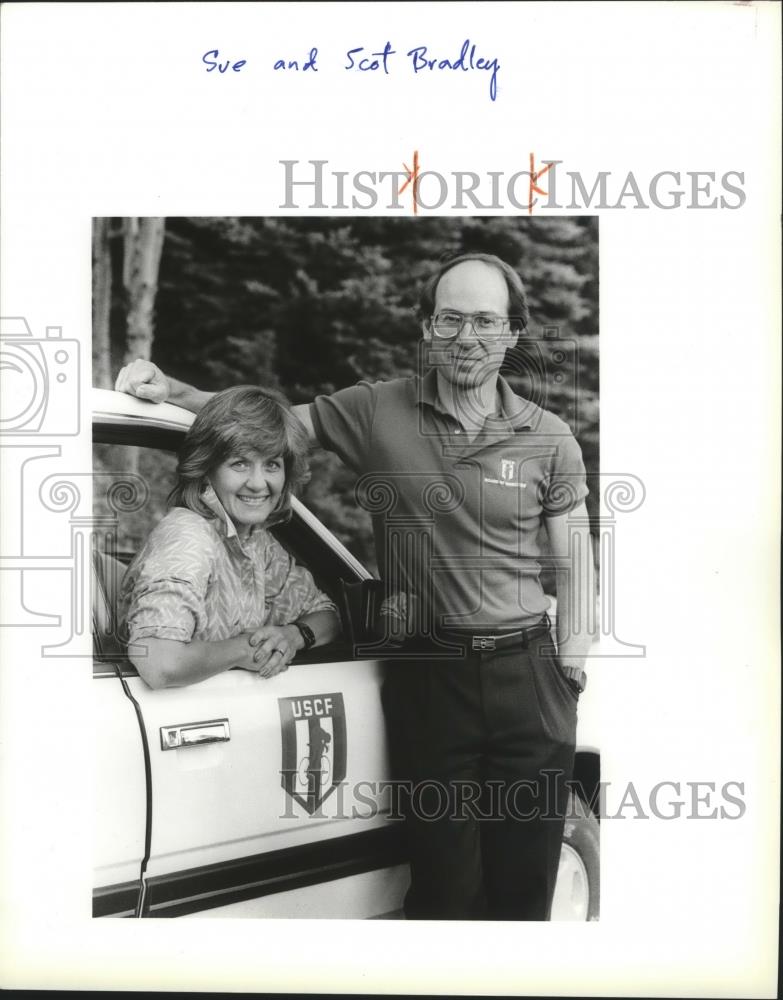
(307, 634)
(577, 676)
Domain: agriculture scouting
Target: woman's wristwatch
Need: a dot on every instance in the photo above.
(307, 634)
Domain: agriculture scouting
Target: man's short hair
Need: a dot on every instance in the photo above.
(517, 297)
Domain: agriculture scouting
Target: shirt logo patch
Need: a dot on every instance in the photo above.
(508, 468)
(314, 747)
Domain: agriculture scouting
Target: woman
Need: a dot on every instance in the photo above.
(211, 588)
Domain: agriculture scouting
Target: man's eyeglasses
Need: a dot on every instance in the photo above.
(448, 324)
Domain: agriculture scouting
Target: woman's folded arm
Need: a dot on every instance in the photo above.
(170, 663)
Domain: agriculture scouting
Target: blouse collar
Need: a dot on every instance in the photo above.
(225, 525)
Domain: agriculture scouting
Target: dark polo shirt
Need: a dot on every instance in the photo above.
(455, 522)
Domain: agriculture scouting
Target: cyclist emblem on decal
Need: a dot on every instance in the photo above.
(314, 747)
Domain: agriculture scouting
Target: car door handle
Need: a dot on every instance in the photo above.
(194, 734)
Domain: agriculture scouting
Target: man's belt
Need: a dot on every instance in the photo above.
(522, 638)
(487, 642)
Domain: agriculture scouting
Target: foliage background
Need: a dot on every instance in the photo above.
(310, 305)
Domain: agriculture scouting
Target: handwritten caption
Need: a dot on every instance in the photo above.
(385, 60)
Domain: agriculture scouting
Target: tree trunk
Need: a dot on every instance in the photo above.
(143, 245)
(101, 305)
(143, 242)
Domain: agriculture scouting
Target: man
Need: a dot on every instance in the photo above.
(459, 474)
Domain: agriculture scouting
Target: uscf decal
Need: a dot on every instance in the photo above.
(314, 747)
(507, 475)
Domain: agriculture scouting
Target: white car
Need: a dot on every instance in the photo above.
(241, 796)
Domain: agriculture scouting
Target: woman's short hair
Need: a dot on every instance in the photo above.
(517, 297)
(236, 421)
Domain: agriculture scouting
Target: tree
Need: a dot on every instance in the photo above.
(143, 243)
(131, 313)
(101, 304)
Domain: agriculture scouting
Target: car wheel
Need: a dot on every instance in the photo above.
(577, 891)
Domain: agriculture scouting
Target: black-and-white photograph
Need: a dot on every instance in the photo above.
(345, 567)
(345, 584)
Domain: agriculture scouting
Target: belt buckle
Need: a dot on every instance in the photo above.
(483, 642)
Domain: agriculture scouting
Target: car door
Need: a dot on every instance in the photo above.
(237, 795)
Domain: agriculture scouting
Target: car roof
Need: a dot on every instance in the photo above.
(109, 406)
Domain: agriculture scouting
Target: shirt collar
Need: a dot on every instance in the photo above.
(516, 411)
(225, 526)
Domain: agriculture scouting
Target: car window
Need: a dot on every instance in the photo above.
(122, 476)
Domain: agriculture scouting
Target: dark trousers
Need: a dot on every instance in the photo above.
(485, 745)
